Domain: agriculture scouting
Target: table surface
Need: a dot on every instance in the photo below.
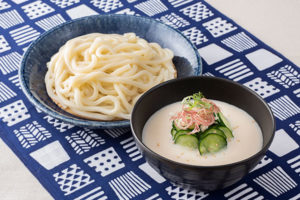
(275, 22)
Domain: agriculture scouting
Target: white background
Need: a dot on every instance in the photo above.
(275, 22)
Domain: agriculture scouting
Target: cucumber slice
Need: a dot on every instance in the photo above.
(213, 130)
(226, 131)
(198, 134)
(190, 141)
(174, 126)
(178, 129)
(173, 132)
(180, 132)
(223, 120)
(212, 143)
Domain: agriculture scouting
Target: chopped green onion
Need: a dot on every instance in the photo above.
(195, 100)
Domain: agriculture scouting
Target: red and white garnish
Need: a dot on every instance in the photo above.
(197, 113)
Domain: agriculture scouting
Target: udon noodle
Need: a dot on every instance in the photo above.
(101, 76)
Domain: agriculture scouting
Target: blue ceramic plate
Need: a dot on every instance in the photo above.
(33, 67)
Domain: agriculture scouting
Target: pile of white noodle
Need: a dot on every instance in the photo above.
(101, 76)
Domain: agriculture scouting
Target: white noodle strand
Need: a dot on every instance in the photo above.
(101, 76)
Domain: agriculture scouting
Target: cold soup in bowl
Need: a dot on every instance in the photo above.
(163, 136)
(237, 131)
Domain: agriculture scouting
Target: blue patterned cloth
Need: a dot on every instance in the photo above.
(76, 163)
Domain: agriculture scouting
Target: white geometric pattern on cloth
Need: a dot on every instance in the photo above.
(281, 137)
(177, 3)
(240, 191)
(96, 193)
(72, 179)
(4, 5)
(83, 140)
(233, 64)
(25, 48)
(297, 92)
(154, 197)
(128, 186)
(105, 162)
(50, 155)
(297, 197)
(58, 125)
(208, 74)
(14, 113)
(213, 53)
(24, 34)
(15, 80)
(262, 88)
(296, 127)
(295, 164)
(197, 11)
(284, 108)
(151, 7)
(239, 42)
(117, 132)
(131, 149)
(4, 46)
(145, 167)
(64, 3)
(10, 62)
(10, 19)
(263, 59)
(235, 70)
(37, 9)
(5, 92)
(50, 22)
(286, 76)
(263, 162)
(218, 27)
(126, 11)
(19, 1)
(32, 133)
(195, 35)
(107, 5)
(178, 193)
(174, 20)
(276, 181)
(80, 11)
(38, 110)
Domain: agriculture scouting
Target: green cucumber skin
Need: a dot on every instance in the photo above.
(212, 143)
(202, 150)
(180, 132)
(190, 141)
(223, 120)
(175, 127)
(173, 132)
(212, 131)
(226, 131)
(211, 140)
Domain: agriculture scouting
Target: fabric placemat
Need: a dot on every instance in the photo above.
(77, 163)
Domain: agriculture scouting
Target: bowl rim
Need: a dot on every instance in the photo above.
(261, 152)
(78, 120)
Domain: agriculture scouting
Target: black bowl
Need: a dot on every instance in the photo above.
(204, 178)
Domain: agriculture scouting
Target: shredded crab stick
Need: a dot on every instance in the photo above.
(197, 113)
(200, 124)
